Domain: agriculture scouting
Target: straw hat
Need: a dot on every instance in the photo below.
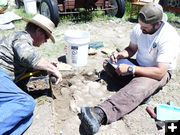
(44, 23)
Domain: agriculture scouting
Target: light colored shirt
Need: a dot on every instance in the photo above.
(162, 46)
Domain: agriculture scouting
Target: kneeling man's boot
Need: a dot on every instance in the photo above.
(92, 118)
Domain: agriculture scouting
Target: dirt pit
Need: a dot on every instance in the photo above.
(82, 87)
(76, 90)
(85, 88)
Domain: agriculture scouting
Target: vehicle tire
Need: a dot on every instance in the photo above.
(19, 3)
(50, 9)
(172, 3)
(119, 12)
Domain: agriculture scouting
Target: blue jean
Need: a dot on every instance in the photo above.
(16, 107)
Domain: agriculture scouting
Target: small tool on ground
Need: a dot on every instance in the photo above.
(52, 81)
(159, 123)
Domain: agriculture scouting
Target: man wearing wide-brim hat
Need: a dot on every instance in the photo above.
(18, 57)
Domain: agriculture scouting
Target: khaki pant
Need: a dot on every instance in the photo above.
(134, 91)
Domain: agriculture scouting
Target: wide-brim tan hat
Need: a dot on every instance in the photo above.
(44, 23)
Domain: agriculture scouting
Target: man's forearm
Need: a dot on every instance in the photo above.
(151, 72)
(44, 64)
(128, 52)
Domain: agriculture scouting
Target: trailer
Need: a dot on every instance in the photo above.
(53, 9)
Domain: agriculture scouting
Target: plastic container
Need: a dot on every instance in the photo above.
(167, 112)
(30, 6)
(77, 47)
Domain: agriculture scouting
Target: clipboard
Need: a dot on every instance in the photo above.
(121, 61)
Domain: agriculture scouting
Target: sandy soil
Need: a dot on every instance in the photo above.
(82, 87)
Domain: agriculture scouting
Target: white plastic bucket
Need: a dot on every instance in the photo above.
(30, 6)
(77, 47)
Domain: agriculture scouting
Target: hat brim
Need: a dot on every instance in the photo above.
(41, 26)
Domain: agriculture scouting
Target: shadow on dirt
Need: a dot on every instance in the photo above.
(38, 93)
(112, 83)
(133, 20)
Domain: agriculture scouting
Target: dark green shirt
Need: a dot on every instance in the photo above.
(17, 54)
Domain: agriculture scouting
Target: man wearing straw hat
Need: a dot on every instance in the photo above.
(18, 57)
(156, 43)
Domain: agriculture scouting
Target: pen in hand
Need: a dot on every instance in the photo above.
(114, 56)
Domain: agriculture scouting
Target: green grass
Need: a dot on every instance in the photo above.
(100, 15)
(172, 16)
(84, 16)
